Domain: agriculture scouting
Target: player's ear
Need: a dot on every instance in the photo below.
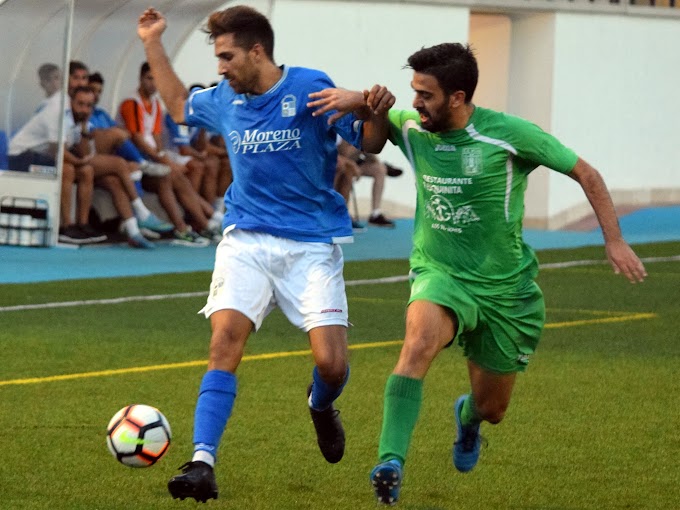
(257, 52)
(457, 99)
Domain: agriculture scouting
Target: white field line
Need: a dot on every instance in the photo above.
(350, 283)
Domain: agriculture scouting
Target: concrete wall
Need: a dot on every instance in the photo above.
(600, 84)
(616, 102)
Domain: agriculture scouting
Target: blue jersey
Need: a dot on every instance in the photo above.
(178, 135)
(283, 159)
(100, 119)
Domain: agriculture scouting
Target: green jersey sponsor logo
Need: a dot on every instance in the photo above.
(441, 210)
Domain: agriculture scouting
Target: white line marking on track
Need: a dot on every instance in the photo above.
(350, 283)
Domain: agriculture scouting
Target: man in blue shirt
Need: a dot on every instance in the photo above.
(117, 138)
(282, 225)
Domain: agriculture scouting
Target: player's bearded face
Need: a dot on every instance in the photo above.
(435, 118)
(79, 78)
(147, 84)
(81, 106)
(243, 79)
(431, 102)
(236, 64)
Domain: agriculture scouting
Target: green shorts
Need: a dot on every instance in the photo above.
(498, 333)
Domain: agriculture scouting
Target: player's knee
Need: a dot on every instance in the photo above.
(85, 174)
(419, 351)
(492, 412)
(122, 135)
(110, 182)
(121, 168)
(332, 370)
(226, 345)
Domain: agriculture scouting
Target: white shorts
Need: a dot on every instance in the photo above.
(255, 272)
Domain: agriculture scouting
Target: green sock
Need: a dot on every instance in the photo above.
(403, 396)
(468, 413)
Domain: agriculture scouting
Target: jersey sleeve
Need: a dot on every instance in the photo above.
(202, 108)
(348, 127)
(104, 120)
(535, 145)
(51, 118)
(109, 120)
(130, 115)
(179, 135)
(397, 120)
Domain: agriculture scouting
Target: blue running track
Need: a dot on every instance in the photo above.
(22, 265)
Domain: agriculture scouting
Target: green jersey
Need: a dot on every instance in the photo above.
(470, 184)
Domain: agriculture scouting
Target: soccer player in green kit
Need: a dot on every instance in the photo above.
(472, 274)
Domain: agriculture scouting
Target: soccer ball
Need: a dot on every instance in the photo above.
(138, 435)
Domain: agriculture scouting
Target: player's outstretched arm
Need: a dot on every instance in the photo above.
(150, 28)
(371, 106)
(621, 256)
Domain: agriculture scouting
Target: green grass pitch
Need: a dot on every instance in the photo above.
(593, 423)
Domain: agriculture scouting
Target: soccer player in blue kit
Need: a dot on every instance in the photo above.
(283, 222)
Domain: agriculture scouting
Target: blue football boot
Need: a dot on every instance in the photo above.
(386, 480)
(468, 441)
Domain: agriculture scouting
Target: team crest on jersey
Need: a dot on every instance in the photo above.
(288, 106)
(471, 159)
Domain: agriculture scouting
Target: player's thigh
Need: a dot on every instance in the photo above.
(105, 140)
(104, 164)
(429, 324)
(311, 289)
(431, 284)
(230, 332)
(239, 281)
(109, 182)
(429, 328)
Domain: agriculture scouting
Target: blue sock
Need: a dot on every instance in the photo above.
(129, 152)
(139, 188)
(324, 395)
(213, 409)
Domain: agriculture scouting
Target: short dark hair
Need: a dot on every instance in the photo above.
(82, 88)
(76, 65)
(45, 70)
(248, 25)
(145, 68)
(96, 77)
(453, 65)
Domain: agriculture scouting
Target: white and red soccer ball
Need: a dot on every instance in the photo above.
(138, 435)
